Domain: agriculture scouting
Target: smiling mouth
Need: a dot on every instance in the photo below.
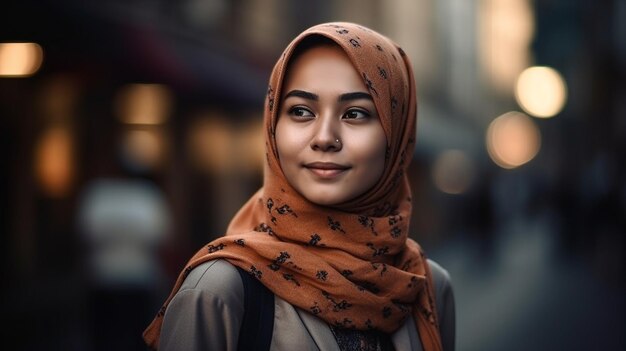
(326, 170)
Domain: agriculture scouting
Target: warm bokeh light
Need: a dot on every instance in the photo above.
(512, 139)
(251, 146)
(453, 172)
(20, 59)
(143, 149)
(216, 146)
(541, 91)
(505, 31)
(146, 104)
(208, 144)
(54, 167)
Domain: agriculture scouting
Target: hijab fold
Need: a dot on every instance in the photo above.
(352, 265)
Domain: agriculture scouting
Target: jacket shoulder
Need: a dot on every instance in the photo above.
(441, 277)
(206, 311)
(444, 300)
(218, 278)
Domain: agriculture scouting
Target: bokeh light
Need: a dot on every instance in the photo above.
(251, 146)
(453, 172)
(216, 146)
(54, 164)
(541, 91)
(143, 149)
(208, 143)
(505, 31)
(147, 104)
(20, 59)
(512, 140)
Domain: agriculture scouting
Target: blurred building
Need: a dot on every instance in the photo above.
(518, 176)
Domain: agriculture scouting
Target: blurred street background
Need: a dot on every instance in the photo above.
(130, 134)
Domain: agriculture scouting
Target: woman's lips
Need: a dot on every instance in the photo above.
(326, 170)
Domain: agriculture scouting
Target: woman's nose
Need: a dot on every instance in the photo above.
(326, 135)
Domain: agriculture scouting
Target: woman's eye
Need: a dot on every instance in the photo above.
(356, 114)
(300, 112)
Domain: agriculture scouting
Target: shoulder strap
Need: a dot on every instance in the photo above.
(258, 316)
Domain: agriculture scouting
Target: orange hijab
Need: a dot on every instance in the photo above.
(352, 265)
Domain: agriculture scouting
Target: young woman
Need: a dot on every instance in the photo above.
(327, 234)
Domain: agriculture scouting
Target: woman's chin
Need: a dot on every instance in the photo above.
(325, 198)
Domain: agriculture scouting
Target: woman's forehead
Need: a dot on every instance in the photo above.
(323, 69)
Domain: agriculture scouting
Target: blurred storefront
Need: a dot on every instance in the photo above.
(130, 133)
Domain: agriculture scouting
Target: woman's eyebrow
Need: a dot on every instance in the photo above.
(303, 94)
(355, 96)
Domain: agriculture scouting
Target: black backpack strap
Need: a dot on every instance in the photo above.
(258, 316)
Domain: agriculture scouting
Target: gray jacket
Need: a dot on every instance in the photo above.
(204, 315)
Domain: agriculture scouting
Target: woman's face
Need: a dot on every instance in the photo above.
(329, 138)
